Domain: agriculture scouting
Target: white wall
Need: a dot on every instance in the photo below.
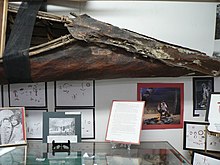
(185, 24)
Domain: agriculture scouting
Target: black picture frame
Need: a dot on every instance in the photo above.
(194, 135)
(61, 127)
(73, 93)
(202, 157)
(202, 87)
(87, 120)
(28, 95)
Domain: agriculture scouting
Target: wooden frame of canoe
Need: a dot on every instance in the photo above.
(88, 49)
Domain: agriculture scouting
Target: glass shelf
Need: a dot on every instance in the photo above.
(100, 153)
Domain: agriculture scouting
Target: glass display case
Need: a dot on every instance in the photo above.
(99, 153)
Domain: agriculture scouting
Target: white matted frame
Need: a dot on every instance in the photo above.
(87, 121)
(204, 158)
(34, 124)
(213, 112)
(125, 122)
(29, 95)
(74, 93)
(12, 126)
(194, 135)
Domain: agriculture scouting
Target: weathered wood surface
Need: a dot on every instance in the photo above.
(97, 50)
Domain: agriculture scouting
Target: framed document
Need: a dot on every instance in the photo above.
(61, 127)
(194, 135)
(87, 121)
(125, 122)
(204, 158)
(29, 95)
(213, 112)
(74, 94)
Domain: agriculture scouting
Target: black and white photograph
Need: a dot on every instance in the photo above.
(12, 126)
(87, 121)
(202, 88)
(61, 127)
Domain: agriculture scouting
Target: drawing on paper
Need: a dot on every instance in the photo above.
(34, 122)
(74, 93)
(27, 94)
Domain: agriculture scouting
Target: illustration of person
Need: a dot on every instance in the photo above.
(17, 134)
(162, 108)
(6, 131)
(206, 89)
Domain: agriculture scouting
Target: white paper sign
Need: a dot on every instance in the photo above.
(62, 139)
(125, 122)
(214, 113)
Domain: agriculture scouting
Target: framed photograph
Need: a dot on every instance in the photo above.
(202, 87)
(125, 122)
(34, 124)
(12, 126)
(61, 127)
(164, 104)
(213, 112)
(74, 94)
(200, 157)
(194, 135)
(28, 95)
(87, 121)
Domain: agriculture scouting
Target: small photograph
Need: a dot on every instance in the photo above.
(12, 127)
(62, 126)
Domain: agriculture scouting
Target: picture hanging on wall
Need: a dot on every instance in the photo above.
(74, 93)
(12, 126)
(34, 122)
(202, 87)
(194, 135)
(28, 95)
(200, 157)
(61, 127)
(87, 121)
(213, 112)
(213, 142)
(164, 104)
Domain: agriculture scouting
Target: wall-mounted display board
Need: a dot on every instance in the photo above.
(74, 93)
(202, 87)
(87, 121)
(32, 95)
(61, 127)
(213, 112)
(34, 122)
(194, 135)
(125, 122)
(204, 158)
